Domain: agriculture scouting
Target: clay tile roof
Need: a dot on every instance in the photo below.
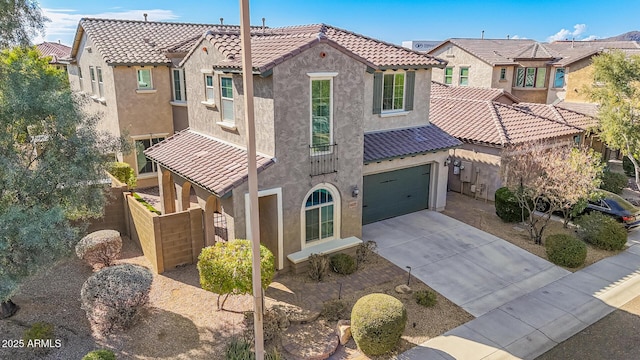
(271, 46)
(55, 50)
(492, 51)
(498, 124)
(203, 160)
(405, 142)
(581, 108)
(138, 42)
(470, 93)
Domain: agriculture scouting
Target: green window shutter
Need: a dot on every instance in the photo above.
(409, 86)
(377, 92)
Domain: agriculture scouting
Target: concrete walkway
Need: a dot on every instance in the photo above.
(532, 323)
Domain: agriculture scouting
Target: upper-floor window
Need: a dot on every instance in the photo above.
(464, 76)
(145, 82)
(530, 77)
(177, 85)
(393, 92)
(100, 83)
(321, 113)
(448, 75)
(80, 80)
(146, 165)
(208, 88)
(558, 80)
(503, 74)
(92, 73)
(226, 98)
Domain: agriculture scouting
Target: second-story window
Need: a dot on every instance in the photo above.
(178, 85)
(393, 92)
(145, 82)
(92, 73)
(208, 88)
(503, 74)
(226, 98)
(100, 83)
(464, 76)
(321, 114)
(448, 75)
(558, 80)
(530, 77)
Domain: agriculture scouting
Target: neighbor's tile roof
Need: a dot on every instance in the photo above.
(492, 51)
(405, 142)
(203, 160)
(581, 108)
(469, 93)
(272, 46)
(491, 122)
(55, 50)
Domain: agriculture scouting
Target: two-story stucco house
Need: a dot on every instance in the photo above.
(343, 136)
(129, 70)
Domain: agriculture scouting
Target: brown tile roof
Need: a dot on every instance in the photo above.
(203, 160)
(581, 108)
(130, 42)
(470, 93)
(494, 123)
(492, 51)
(404, 142)
(272, 46)
(55, 50)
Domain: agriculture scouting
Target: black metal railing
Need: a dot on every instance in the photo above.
(324, 159)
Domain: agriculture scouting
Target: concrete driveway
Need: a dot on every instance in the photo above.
(474, 269)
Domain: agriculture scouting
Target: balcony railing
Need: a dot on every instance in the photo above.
(324, 159)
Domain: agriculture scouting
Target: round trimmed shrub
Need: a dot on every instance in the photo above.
(565, 250)
(507, 206)
(602, 231)
(343, 264)
(101, 354)
(100, 248)
(113, 296)
(377, 322)
(613, 182)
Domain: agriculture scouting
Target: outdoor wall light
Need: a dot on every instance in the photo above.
(355, 191)
(447, 162)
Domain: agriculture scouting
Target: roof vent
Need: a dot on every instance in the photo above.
(145, 16)
(221, 21)
(507, 36)
(263, 23)
(482, 35)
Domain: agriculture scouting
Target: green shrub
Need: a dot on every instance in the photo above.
(507, 207)
(377, 322)
(240, 349)
(318, 267)
(146, 204)
(38, 331)
(565, 250)
(225, 268)
(124, 173)
(333, 310)
(101, 354)
(365, 251)
(270, 325)
(343, 264)
(602, 231)
(627, 167)
(613, 182)
(425, 298)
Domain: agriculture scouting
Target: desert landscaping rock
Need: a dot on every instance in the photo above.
(310, 341)
(298, 315)
(344, 331)
(403, 289)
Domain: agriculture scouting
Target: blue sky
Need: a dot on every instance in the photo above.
(392, 21)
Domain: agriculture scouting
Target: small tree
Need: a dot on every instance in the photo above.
(225, 268)
(20, 20)
(551, 173)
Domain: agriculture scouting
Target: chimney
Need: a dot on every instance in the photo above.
(221, 21)
(482, 35)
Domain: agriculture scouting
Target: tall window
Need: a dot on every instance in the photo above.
(208, 88)
(144, 79)
(92, 73)
(464, 76)
(319, 219)
(321, 111)
(100, 83)
(393, 92)
(178, 85)
(80, 80)
(530, 77)
(226, 97)
(503, 74)
(145, 165)
(448, 75)
(558, 80)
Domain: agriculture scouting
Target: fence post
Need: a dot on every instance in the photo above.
(157, 239)
(197, 233)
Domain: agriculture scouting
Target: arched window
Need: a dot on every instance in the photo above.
(319, 216)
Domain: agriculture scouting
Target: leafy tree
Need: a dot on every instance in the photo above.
(51, 160)
(617, 91)
(556, 174)
(20, 20)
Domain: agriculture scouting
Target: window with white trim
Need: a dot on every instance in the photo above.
(321, 113)
(100, 83)
(145, 81)
(503, 74)
(146, 165)
(530, 77)
(208, 88)
(464, 76)
(319, 216)
(226, 99)
(178, 85)
(448, 75)
(558, 80)
(393, 92)
(92, 73)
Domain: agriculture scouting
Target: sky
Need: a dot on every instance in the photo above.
(391, 21)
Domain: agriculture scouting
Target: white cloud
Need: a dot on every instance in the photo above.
(515, 37)
(64, 22)
(590, 38)
(564, 34)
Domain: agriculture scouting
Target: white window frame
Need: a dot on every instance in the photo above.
(100, 82)
(92, 74)
(181, 82)
(150, 88)
(316, 77)
(336, 215)
(232, 120)
(468, 68)
(524, 85)
(209, 100)
(404, 91)
(503, 74)
(444, 80)
(154, 165)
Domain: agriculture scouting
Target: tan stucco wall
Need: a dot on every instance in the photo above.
(505, 84)
(578, 76)
(534, 95)
(484, 170)
(180, 118)
(481, 74)
(554, 94)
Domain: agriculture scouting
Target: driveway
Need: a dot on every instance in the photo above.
(476, 270)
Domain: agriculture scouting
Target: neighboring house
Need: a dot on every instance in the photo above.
(342, 132)
(487, 121)
(129, 70)
(421, 45)
(534, 72)
(58, 53)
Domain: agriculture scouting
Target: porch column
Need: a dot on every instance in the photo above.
(167, 191)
